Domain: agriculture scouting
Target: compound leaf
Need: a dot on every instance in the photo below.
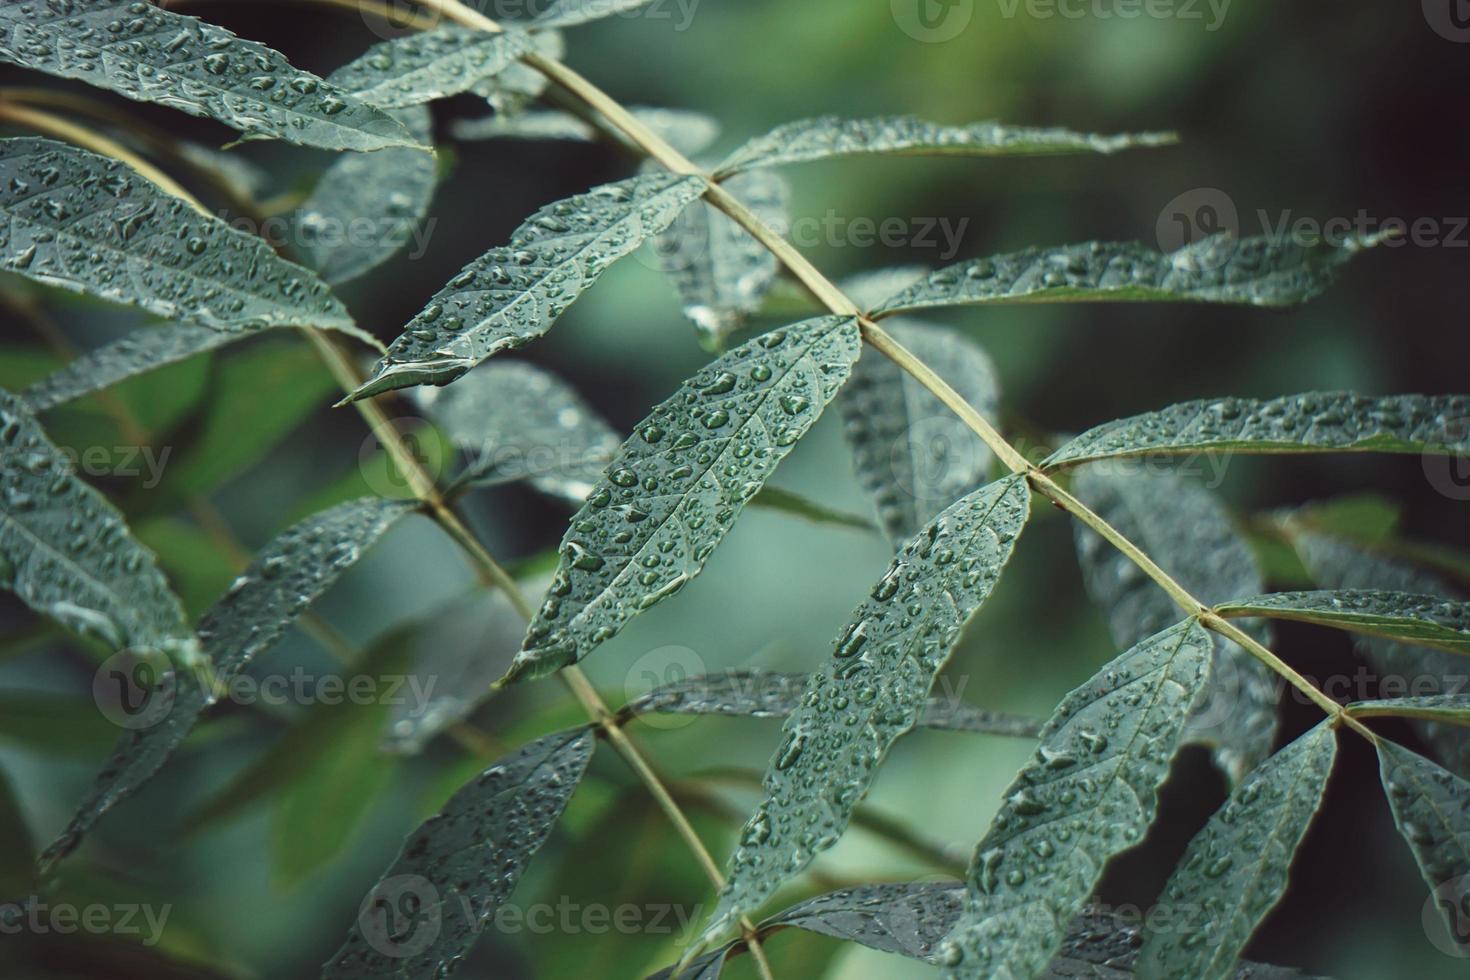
(833, 136)
(137, 353)
(289, 574)
(467, 858)
(1187, 531)
(911, 454)
(871, 691)
(1421, 620)
(511, 295)
(1453, 708)
(1334, 421)
(435, 64)
(677, 485)
(153, 55)
(1235, 870)
(89, 224)
(1089, 793)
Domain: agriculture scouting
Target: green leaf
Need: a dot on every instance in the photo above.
(192, 559)
(512, 295)
(1221, 269)
(688, 132)
(1235, 870)
(1421, 620)
(54, 726)
(776, 498)
(152, 55)
(911, 454)
(832, 136)
(1089, 793)
(907, 919)
(68, 554)
(289, 574)
(706, 967)
(456, 869)
(434, 64)
(1334, 421)
(131, 355)
(368, 206)
(720, 272)
(1187, 531)
(1432, 810)
(519, 85)
(514, 421)
(1453, 708)
(677, 485)
(772, 694)
(88, 224)
(871, 691)
(569, 13)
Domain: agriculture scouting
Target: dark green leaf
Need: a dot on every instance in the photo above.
(1421, 620)
(776, 498)
(68, 554)
(512, 295)
(456, 869)
(569, 13)
(1186, 530)
(706, 967)
(871, 691)
(519, 85)
(913, 455)
(1453, 708)
(136, 353)
(288, 575)
(1089, 793)
(153, 55)
(688, 132)
(435, 64)
(1235, 870)
(907, 919)
(1334, 421)
(832, 136)
(677, 485)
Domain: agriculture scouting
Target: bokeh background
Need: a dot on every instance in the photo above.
(1312, 109)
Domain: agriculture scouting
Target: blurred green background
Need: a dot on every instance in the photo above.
(1313, 108)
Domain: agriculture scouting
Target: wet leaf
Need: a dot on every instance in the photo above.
(1432, 810)
(1090, 792)
(677, 485)
(569, 13)
(1430, 707)
(88, 224)
(688, 132)
(434, 64)
(787, 502)
(288, 575)
(832, 136)
(514, 421)
(68, 554)
(912, 455)
(1235, 870)
(706, 967)
(871, 691)
(907, 919)
(368, 207)
(772, 694)
(154, 55)
(1422, 620)
(458, 867)
(1220, 269)
(1188, 532)
(510, 91)
(1334, 421)
(720, 272)
(134, 354)
(512, 295)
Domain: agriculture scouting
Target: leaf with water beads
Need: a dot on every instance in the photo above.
(569, 13)
(677, 485)
(458, 867)
(1220, 269)
(1187, 530)
(1090, 792)
(1316, 422)
(1431, 808)
(289, 574)
(912, 455)
(1421, 620)
(833, 136)
(871, 691)
(153, 55)
(686, 131)
(1431, 707)
(89, 224)
(435, 64)
(68, 554)
(1235, 870)
(512, 295)
(133, 354)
